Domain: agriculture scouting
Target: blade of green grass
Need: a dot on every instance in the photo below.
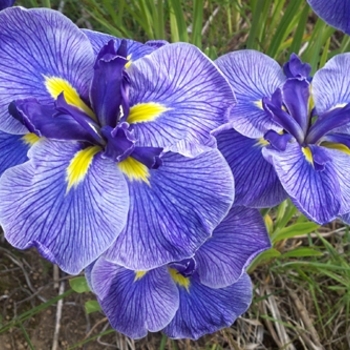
(299, 33)
(197, 18)
(286, 24)
(177, 22)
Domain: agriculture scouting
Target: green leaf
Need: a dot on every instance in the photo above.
(301, 252)
(92, 306)
(264, 257)
(294, 231)
(79, 284)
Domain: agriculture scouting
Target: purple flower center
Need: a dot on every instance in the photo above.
(186, 267)
(109, 100)
(289, 107)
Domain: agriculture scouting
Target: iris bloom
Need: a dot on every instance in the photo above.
(335, 12)
(189, 298)
(119, 155)
(289, 134)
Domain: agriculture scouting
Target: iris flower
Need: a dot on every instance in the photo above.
(288, 136)
(189, 298)
(335, 12)
(120, 144)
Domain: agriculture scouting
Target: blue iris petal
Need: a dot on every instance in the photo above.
(284, 119)
(120, 142)
(61, 123)
(296, 99)
(295, 68)
(108, 83)
(336, 13)
(327, 122)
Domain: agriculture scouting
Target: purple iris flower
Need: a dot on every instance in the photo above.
(189, 298)
(335, 12)
(121, 156)
(288, 136)
(6, 3)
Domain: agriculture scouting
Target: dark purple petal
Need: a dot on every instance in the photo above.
(156, 44)
(237, 240)
(336, 13)
(135, 303)
(80, 117)
(120, 142)
(256, 182)
(253, 76)
(186, 267)
(71, 220)
(285, 120)
(310, 179)
(148, 156)
(327, 122)
(37, 45)
(295, 68)
(277, 140)
(42, 120)
(6, 3)
(205, 310)
(337, 138)
(107, 84)
(295, 93)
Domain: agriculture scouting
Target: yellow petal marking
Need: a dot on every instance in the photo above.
(308, 154)
(262, 142)
(145, 112)
(259, 104)
(128, 64)
(139, 275)
(79, 166)
(30, 139)
(337, 146)
(134, 170)
(55, 86)
(179, 279)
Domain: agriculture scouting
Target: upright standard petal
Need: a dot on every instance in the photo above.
(173, 209)
(67, 201)
(252, 76)
(135, 302)
(41, 52)
(205, 310)
(310, 179)
(13, 150)
(176, 93)
(135, 49)
(331, 84)
(336, 13)
(237, 240)
(256, 182)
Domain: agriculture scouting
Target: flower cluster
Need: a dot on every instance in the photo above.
(108, 164)
(144, 164)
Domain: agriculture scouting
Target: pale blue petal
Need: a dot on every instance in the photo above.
(176, 212)
(35, 44)
(70, 227)
(252, 76)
